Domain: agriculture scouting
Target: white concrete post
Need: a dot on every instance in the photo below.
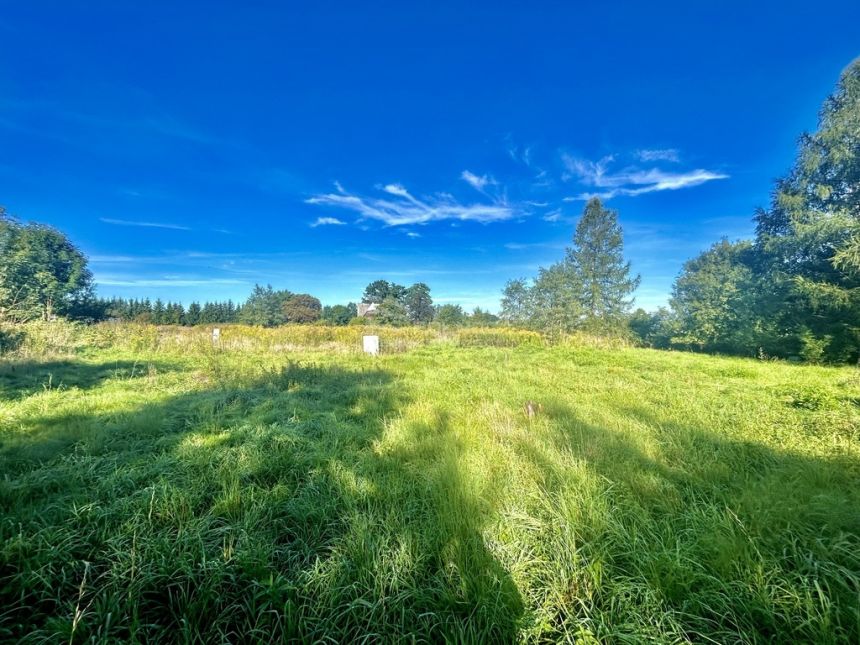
(371, 345)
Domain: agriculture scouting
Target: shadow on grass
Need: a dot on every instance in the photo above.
(740, 540)
(20, 379)
(263, 509)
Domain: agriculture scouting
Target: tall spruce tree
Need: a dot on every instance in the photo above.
(809, 238)
(598, 258)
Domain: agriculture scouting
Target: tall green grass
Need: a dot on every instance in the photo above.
(157, 488)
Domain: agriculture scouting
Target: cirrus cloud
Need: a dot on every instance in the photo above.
(125, 222)
(327, 221)
(477, 182)
(405, 209)
(662, 154)
(629, 181)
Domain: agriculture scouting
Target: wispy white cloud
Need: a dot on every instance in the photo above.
(587, 172)
(394, 189)
(477, 182)
(526, 156)
(664, 154)
(630, 181)
(197, 258)
(407, 210)
(125, 222)
(327, 221)
(520, 153)
(166, 225)
(658, 181)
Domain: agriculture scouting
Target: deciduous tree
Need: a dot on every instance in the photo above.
(714, 299)
(42, 273)
(302, 308)
(392, 312)
(450, 315)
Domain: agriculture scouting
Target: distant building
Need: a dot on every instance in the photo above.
(367, 309)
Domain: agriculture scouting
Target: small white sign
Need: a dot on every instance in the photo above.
(216, 335)
(371, 345)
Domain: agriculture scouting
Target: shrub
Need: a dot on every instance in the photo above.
(813, 348)
(11, 339)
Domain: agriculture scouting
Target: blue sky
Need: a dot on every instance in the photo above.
(193, 149)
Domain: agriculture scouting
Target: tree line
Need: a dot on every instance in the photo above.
(400, 305)
(159, 312)
(397, 305)
(43, 276)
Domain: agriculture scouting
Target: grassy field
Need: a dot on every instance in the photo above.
(156, 489)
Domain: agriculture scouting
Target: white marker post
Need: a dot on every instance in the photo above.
(371, 345)
(216, 336)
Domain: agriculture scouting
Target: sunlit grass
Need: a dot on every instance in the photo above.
(168, 490)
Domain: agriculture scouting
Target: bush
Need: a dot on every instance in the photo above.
(11, 339)
(813, 348)
(43, 338)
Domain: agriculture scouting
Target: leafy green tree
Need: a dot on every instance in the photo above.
(809, 238)
(339, 314)
(517, 302)
(302, 308)
(265, 306)
(714, 299)
(556, 298)
(42, 273)
(392, 312)
(450, 315)
(641, 325)
(654, 329)
(378, 291)
(481, 318)
(604, 277)
(419, 304)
